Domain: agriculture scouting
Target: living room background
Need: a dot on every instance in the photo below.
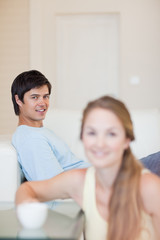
(28, 33)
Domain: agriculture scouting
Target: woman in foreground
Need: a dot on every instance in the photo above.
(121, 200)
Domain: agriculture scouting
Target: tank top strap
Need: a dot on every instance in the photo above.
(145, 170)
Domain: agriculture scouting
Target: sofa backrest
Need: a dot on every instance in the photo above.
(146, 124)
(66, 124)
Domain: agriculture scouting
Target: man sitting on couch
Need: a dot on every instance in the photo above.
(41, 154)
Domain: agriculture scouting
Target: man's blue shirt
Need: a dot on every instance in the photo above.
(41, 154)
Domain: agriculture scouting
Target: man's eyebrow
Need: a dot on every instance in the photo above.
(35, 94)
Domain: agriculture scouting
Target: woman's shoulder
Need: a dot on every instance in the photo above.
(149, 190)
(148, 180)
(79, 174)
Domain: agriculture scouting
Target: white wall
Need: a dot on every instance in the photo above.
(14, 55)
(87, 58)
(139, 43)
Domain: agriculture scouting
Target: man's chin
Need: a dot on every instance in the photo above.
(41, 117)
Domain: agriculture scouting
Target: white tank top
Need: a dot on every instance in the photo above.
(95, 226)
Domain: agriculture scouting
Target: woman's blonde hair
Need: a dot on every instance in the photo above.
(125, 203)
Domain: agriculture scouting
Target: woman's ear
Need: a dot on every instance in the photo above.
(127, 143)
(18, 101)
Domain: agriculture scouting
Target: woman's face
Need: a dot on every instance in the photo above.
(104, 138)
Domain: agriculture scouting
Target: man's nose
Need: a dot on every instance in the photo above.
(41, 101)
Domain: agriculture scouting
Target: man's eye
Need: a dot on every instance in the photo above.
(47, 96)
(34, 97)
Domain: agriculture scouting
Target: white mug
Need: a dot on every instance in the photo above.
(32, 215)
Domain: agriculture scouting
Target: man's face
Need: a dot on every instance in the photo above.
(34, 106)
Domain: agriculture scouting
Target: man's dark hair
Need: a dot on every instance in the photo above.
(24, 82)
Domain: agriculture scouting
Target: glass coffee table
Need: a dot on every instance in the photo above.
(65, 222)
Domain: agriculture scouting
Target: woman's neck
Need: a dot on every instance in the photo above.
(106, 176)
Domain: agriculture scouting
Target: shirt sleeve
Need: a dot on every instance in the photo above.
(37, 160)
(152, 162)
(74, 162)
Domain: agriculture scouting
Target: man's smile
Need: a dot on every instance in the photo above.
(40, 110)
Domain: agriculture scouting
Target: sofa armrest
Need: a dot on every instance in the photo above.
(9, 171)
